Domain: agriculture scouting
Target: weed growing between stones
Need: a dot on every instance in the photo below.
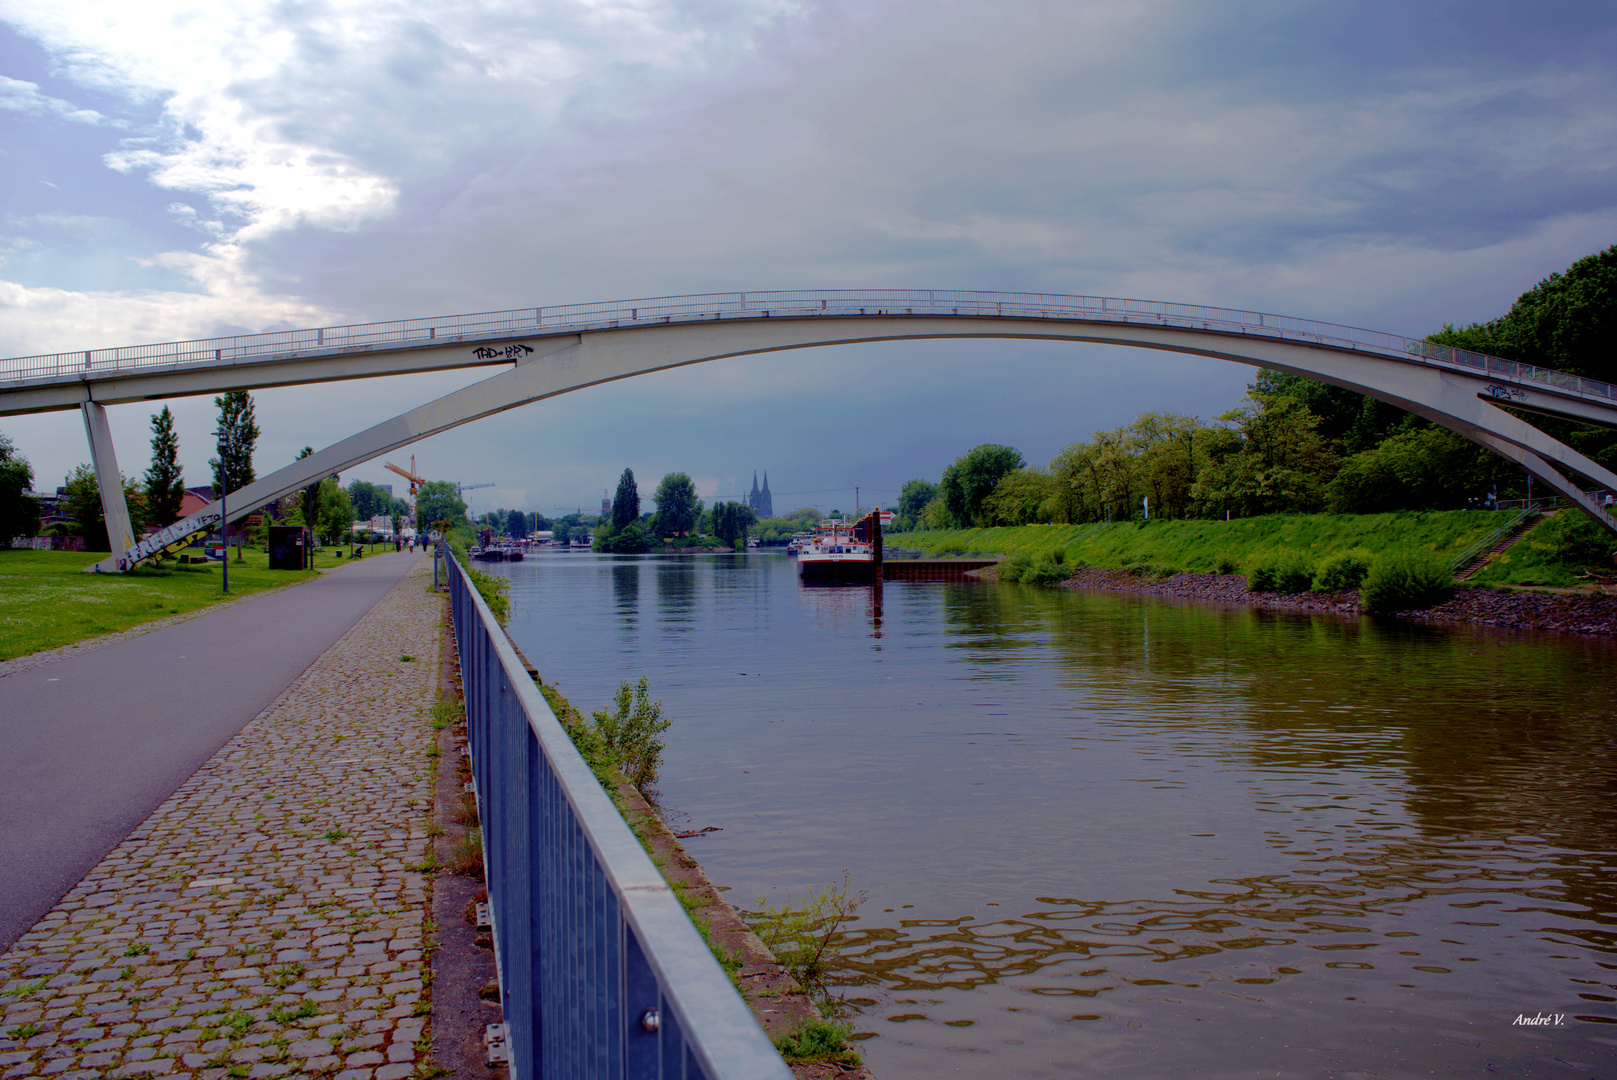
(818, 1041)
(447, 711)
(468, 854)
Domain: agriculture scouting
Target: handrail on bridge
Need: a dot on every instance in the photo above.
(602, 975)
(1476, 550)
(842, 303)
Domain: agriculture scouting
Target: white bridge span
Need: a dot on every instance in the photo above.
(546, 351)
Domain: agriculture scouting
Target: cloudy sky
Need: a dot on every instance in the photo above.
(174, 169)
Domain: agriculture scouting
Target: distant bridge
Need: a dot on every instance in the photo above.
(547, 351)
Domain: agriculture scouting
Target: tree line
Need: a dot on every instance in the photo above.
(681, 517)
(1296, 444)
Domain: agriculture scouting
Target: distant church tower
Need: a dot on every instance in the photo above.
(760, 501)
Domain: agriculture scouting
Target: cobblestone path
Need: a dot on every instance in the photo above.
(265, 920)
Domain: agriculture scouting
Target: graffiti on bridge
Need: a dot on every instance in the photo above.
(507, 352)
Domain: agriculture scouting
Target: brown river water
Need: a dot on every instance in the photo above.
(1107, 835)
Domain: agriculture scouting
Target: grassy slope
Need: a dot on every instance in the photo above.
(1199, 545)
(46, 600)
(1537, 559)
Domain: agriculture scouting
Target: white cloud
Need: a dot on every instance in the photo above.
(346, 161)
(309, 114)
(25, 97)
(283, 116)
(44, 320)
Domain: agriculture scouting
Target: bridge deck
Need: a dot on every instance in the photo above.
(402, 336)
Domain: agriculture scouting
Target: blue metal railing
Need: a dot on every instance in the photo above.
(601, 973)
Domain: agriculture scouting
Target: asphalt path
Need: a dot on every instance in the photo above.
(90, 745)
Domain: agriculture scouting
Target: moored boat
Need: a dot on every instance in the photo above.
(838, 553)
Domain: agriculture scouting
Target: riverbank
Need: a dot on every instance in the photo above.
(1561, 556)
(1573, 613)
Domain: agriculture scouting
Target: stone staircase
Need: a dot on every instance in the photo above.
(1509, 537)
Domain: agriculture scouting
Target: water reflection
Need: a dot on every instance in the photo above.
(626, 593)
(840, 607)
(676, 592)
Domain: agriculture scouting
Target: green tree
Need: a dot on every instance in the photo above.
(968, 482)
(626, 502)
(308, 510)
(1022, 497)
(19, 512)
(165, 482)
(1567, 322)
(1424, 467)
(1167, 447)
(370, 500)
(398, 524)
(912, 499)
(935, 515)
(437, 501)
(1356, 421)
(629, 540)
(516, 525)
(731, 520)
(336, 512)
(677, 504)
(240, 437)
(83, 507)
(1272, 460)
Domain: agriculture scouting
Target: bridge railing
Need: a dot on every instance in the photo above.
(602, 975)
(497, 325)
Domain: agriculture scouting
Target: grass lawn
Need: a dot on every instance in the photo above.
(46, 599)
(1202, 546)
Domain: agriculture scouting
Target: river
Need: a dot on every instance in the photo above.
(1108, 835)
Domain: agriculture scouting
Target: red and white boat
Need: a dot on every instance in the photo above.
(835, 554)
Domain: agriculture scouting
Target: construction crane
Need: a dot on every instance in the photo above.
(459, 488)
(415, 481)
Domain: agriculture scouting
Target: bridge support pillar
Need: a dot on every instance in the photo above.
(1550, 475)
(120, 536)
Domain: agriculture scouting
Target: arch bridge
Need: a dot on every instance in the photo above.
(546, 351)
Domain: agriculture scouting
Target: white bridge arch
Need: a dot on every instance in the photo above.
(554, 350)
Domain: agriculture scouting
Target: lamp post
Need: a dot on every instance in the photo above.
(224, 515)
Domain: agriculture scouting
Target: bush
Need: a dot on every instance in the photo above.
(1225, 563)
(1014, 567)
(1575, 538)
(631, 732)
(1403, 581)
(629, 540)
(1049, 569)
(802, 935)
(493, 589)
(1280, 571)
(1342, 571)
